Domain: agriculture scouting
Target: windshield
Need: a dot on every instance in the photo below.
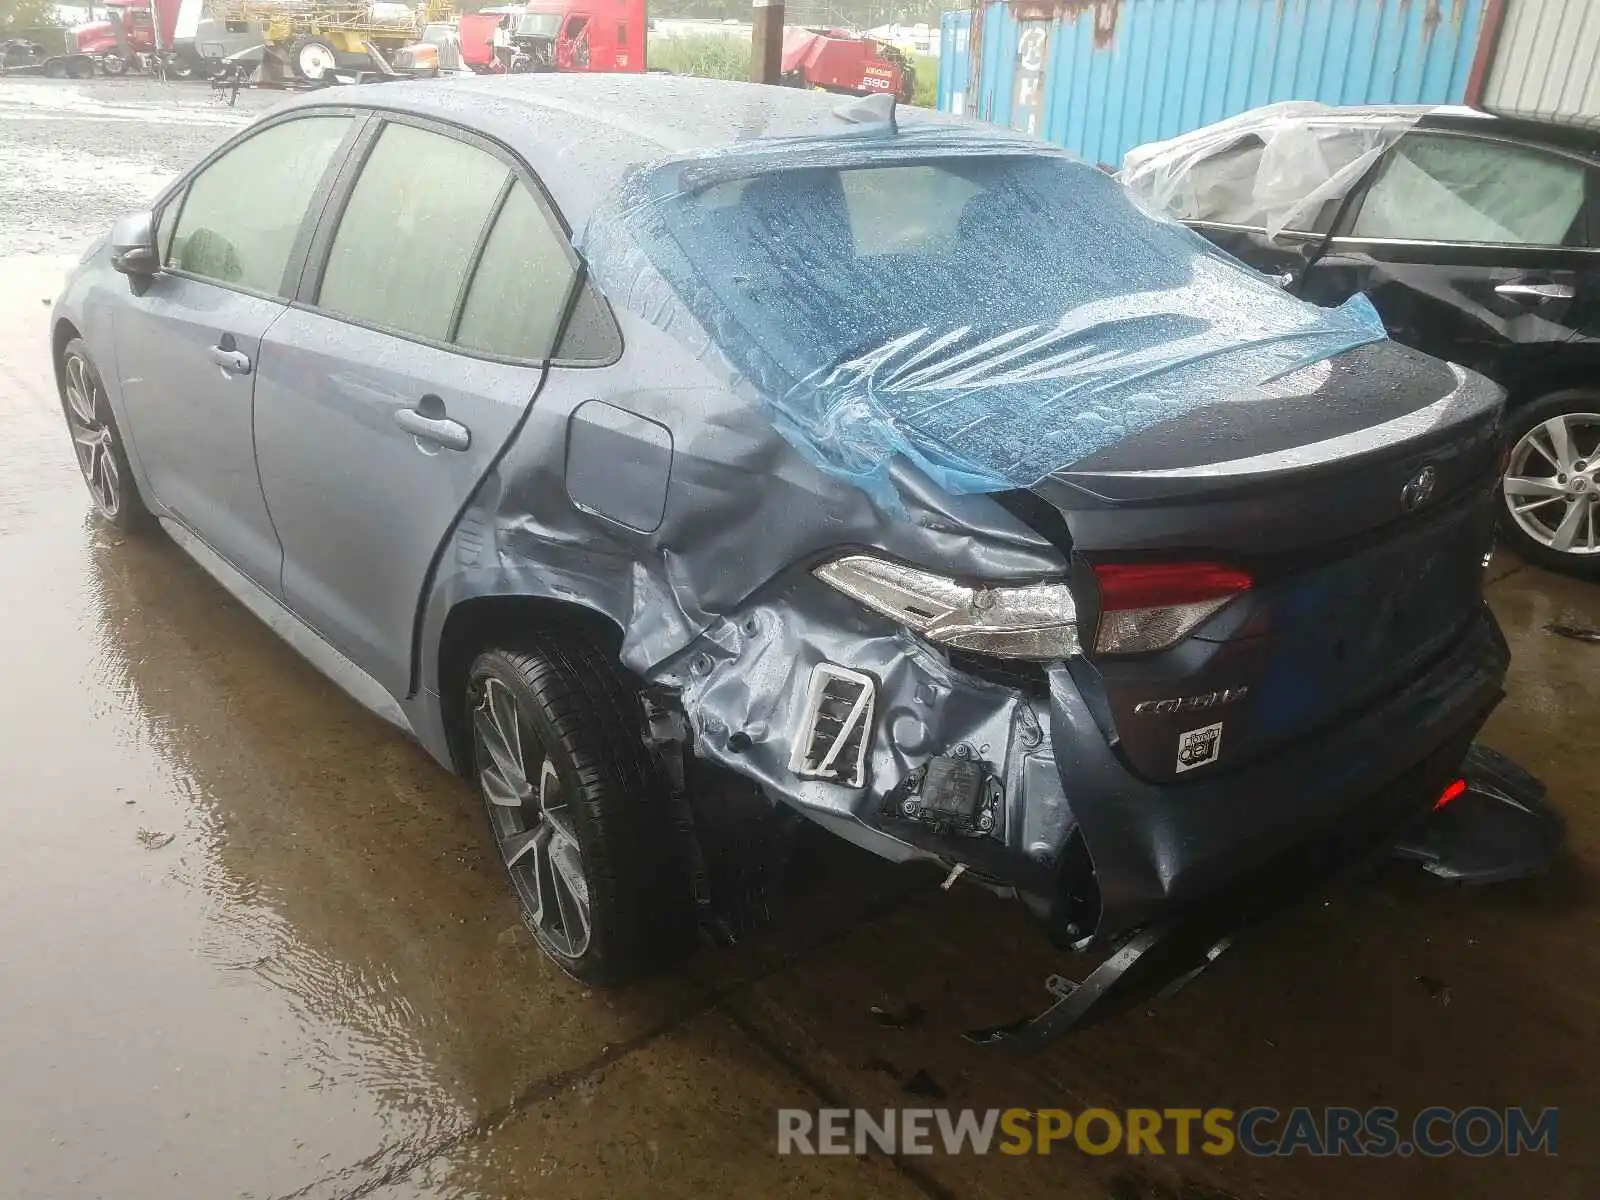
(538, 24)
(1017, 307)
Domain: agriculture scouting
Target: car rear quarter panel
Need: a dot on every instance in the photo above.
(716, 601)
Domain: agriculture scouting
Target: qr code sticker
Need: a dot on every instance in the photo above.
(1199, 747)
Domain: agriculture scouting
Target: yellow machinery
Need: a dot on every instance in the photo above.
(310, 36)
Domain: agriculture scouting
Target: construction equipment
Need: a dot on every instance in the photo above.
(311, 39)
(837, 60)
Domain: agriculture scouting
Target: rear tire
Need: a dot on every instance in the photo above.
(580, 813)
(1549, 511)
(97, 443)
(114, 65)
(312, 57)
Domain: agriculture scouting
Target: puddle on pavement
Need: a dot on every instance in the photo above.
(320, 966)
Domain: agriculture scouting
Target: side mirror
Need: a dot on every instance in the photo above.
(133, 249)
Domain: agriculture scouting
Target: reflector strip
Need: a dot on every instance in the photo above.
(1450, 793)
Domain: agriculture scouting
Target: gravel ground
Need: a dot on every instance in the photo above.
(74, 156)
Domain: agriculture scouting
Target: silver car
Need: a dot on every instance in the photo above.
(678, 459)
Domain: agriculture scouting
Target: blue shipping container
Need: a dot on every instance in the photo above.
(1103, 76)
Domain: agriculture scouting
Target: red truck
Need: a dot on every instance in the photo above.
(128, 29)
(556, 35)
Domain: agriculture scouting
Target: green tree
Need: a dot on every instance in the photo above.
(26, 14)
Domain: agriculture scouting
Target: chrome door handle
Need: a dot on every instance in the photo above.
(234, 362)
(1536, 292)
(452, 435)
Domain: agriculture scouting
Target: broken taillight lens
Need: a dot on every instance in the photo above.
(1150, 606)
(1036, 621)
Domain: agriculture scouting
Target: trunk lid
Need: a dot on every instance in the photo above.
(1357, 500)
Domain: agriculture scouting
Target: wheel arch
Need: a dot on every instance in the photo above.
(478, 623)
(1535, 381)
(63, 333)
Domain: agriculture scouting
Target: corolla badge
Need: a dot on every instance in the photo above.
(1418, 488)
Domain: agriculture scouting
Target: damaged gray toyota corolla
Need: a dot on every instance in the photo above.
(671, 456)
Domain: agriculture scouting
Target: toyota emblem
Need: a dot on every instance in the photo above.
(1418, 488)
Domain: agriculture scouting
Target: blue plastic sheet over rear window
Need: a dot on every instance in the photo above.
(988, 308)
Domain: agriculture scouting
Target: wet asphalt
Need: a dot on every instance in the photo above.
(254, 943)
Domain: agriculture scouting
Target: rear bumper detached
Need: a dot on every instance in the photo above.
(1156, 849)
(1182, 869)
(872, 734)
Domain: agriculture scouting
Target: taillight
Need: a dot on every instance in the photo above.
(1150, 606)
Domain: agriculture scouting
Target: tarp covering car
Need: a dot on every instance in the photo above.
(1275, 167)
(987, 308)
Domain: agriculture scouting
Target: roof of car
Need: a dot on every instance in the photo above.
(1578, 134)
(581, 132)
(1575, 133)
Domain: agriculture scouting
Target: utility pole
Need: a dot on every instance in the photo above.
(766, 41)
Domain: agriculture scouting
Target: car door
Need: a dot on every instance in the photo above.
(436, 289)
(232, 241)
(1473, 248)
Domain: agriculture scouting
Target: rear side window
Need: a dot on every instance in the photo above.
(519, 291)
(1459, 189)
(242, 214)
(411, 230)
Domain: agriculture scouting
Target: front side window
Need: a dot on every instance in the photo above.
(411, 230)
(165, 224)
(1458, 189)
(241, 216)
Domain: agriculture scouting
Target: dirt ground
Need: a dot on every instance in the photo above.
(253, 943)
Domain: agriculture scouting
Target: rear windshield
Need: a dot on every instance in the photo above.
(1000, 314)
(823, 262)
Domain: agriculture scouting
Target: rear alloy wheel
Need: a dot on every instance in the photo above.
(312, 58)
(1551, 490)
(97, 443)
(580, 815)
(114, 64)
